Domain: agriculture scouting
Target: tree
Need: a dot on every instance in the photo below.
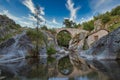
(63, 38)
(68, 23)
(115, 11)
(88, 25)
(44, 27)
(105, 18)
(39, 20)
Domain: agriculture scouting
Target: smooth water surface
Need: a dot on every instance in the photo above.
(51, 69)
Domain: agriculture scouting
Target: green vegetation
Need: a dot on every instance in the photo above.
(70, 24)
(63, 38)
(52, 31)
(105, 18)
(113, 27)
(89, 26)
(44, 28)
(32, 33)
(64, 66)
(115, 11)
(5, 37)
(50, 59)
(8, 28)
(111, 19)
(51, 50)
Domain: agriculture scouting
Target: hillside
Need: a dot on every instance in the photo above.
(109, 20)
(8, 28)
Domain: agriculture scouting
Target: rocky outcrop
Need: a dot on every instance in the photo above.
(7, 26)
(16, 47)
(77, 42)
(108, 47)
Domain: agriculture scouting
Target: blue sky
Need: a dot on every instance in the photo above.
(53, 12)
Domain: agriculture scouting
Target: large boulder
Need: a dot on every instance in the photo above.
(108, 47)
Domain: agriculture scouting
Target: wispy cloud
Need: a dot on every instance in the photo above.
(88, 18)
(54, 21)
(30, 5)
(23, 21)
(6, 12)
(8, 0)
(101, 6)
(72, 9)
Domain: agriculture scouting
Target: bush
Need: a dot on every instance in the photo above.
(51, 50)
(89, 26)
(63, 38)
(34, 35)
(115, 11)
(64, 66)
(44, 27)
(105, 18)
(113, 27)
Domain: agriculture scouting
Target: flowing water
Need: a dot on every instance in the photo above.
(52, 69)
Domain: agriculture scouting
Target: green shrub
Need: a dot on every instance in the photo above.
(5, 37)
(113, 27)
(63, 38)
(89, 26)
(51, 50)
(105, 18)
(34, 35)
(50, 60)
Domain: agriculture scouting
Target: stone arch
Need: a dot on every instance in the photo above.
(64, 30)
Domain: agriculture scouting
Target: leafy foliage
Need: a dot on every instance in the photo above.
(105, 18)
(33, 35)
(70, 24)
(63, 38)
(51, 50)
(88, 25)
(115, 11)
(65, 64)
(113, 27)
(44, 27)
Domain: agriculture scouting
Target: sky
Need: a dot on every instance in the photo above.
(53, 12)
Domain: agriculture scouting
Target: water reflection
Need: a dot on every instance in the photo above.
(64, 66)
(52, 69)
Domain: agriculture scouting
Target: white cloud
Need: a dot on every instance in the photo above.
(54, 21)
(6, 12)
(30, 5)
(23, 21)
(70, 7)
(88, 18)
(101, 6)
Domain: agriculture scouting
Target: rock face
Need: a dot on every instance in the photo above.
(16, 47)
(77, 41)
(108, 47)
